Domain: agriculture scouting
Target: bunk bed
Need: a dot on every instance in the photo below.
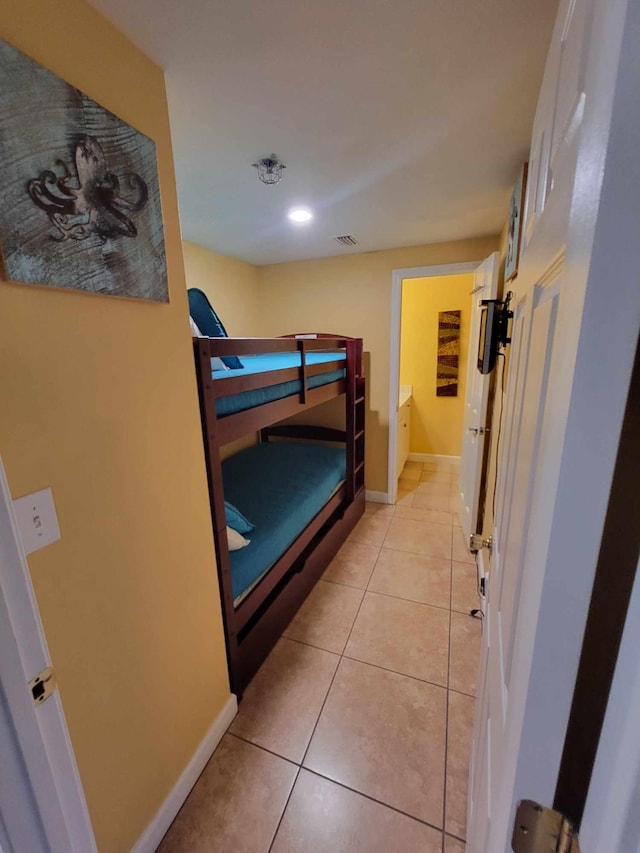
(299, 490)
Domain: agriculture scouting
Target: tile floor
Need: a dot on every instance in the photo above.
(355, 733)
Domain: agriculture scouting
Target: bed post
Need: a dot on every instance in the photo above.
(352, 352)
(216, 500)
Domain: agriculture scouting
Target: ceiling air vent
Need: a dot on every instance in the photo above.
(346, 240)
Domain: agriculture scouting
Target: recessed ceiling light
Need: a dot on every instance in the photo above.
(300, 214)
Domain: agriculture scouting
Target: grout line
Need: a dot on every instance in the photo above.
(411, 600)
(277, 829)
(417, 553)
(263, 748)
(462, 693)
(375, 666)
(373, 799)
(451, 835)
(395, 672)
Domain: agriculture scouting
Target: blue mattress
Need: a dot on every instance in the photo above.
(274, 361)
(279, 487)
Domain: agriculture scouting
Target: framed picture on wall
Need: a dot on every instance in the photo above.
(81, 195)
(514, 234)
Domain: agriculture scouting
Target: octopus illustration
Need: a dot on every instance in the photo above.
(95, 205)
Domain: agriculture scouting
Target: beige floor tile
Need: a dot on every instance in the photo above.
(403, 636)
(432, 496)
(323, 817)
(460, 552)
(453, 845)
(382, 734)
(373, 508)
(437, 516)
(454, 506)
(371, 529)
(464, 587)
(353, 564)
(459, 735)
(437, 476)
(236, 803)
(404, 497)
(326, 617)
(465, 640)
(427, 538)
(412, 576)
(412, 470)
(281, 705)
(438, 465)
(408, 485)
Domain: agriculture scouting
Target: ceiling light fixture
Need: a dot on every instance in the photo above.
(300, 215)
(269, 169)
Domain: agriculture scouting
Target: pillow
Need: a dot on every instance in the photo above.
(236, 519)
(208, 321)
(235, 540)
(195, 331)
(218, 364)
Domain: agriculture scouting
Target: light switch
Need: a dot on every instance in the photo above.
(37, 520)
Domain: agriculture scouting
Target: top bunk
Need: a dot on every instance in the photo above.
(247, 384)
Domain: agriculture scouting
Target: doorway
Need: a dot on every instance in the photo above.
(425, 418)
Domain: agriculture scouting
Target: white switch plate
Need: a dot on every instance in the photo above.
(37, 520)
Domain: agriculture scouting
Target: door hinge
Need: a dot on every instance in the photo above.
(477, 543)
(43, 685)
(538, 829)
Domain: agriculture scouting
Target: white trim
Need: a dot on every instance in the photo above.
(164, 817)
(397, 277)
(433, 457)
(41, 732)
(377, 497)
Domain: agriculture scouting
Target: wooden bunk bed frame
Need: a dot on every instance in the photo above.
(253, 626)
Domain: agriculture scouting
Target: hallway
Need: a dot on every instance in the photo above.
(355, 734)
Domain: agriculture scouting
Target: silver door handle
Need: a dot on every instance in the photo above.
(479, 430)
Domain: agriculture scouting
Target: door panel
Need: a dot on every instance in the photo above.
(545, 551)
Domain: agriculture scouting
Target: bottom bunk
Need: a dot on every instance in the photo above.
(289, 500)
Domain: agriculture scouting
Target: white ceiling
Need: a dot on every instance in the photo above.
(401, 122)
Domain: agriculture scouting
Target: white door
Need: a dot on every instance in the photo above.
(485, 286)
(42, 805)
(575, 327)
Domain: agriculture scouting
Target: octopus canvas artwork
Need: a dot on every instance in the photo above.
(80, 192)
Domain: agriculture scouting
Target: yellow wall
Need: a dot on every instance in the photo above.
(99, 402)
(230, 284)
(436, 422)
(351, 295)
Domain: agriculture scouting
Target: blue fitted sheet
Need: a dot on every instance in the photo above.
(279, 487)
(274, 361)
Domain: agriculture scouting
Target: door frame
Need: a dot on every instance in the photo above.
(397, 277)
(41, 732)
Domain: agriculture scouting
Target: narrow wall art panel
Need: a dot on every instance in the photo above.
(448, 353)
(80, 193)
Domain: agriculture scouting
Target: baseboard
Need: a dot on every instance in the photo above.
(433, 457)
(376, 497)
(154, 833)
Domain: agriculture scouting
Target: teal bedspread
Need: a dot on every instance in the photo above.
(274, 361)
(279, 487)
